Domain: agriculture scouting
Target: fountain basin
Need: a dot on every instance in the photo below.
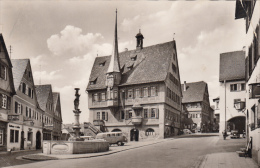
(74, 147)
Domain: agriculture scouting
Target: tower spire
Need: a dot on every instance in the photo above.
(114, 62)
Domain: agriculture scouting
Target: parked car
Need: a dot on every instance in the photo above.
(234, 134)
(186, 131)
(113, 137)
(87, 138)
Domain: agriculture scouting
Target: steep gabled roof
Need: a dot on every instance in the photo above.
(232, 66)
(151, 65)
(55, 99)
(19, 67)
(194, 92)
(5, 49)
(42, 93)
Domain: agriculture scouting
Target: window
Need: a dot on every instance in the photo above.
(174, 69)
(30, 112)
(137, 93)
(4, 101)
(14, 135)
(145, 113)
(153, 91)
(130, 94)
(233, 87)
(11, 135)
(98, 115)
(29, 92)
(149, 132)
(1, 136)
(115, 94)
(153, 113)
(24, 88)
(130, 114)
(29, 138)
(145, 92)
(18, 108)
(103, 96)
(3, 71)
(103, 115)
(242, 86)
(122, 114)
(95, 97)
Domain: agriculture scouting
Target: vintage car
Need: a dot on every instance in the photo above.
(234, 134)
(113, 137)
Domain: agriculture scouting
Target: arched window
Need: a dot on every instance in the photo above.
(149, 132)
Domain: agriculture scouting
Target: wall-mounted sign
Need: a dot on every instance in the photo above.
(13, 117)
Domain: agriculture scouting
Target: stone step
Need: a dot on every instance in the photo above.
(240, 153)
(243, 149)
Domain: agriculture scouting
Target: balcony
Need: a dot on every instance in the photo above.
(112, 103)
(98, 123)
(137, 120)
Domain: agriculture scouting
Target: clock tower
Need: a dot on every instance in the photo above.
(113, 75)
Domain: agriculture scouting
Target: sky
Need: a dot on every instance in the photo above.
(63, 38)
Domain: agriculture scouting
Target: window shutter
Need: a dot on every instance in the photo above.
(8, 103)
(106, 117)
(126, 114)
(133, 93)
(141, 92)
(149, 91)
(156, 90)
(1, 99)
(21, 109)
(157, 113)
(16, 107)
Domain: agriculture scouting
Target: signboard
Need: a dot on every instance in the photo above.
(13, 117)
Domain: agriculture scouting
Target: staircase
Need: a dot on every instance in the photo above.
(91, 129)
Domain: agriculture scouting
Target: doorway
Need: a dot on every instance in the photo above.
(38, 140)
(134, 134)
(22, 141)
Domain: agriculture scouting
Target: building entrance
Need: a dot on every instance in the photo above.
(22, 141)
(237, 123)
(134, 135)
(38, 140)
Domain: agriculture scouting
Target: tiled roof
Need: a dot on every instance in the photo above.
(194, 92)
(19, 66)
(55, 96)
(232, 66)
(42, 93)
(151, 65)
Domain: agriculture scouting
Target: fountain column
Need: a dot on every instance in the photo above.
(76, 111)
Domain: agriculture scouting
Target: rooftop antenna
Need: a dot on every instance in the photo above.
(10, 51)
(173, 36)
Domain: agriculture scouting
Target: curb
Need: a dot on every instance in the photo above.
(91, 156)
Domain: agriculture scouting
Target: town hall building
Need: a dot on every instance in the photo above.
(137, 92)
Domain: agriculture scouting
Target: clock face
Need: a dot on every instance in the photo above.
(110, 81)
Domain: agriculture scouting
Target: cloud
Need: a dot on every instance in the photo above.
(71, 40)
(37, 60)
(46, 77)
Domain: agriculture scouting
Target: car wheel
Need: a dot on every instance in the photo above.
(119, 143)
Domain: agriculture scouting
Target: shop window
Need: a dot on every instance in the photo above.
(14, 136)
(11, 135)
(29, 138)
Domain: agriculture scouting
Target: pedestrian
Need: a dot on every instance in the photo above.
(224, 134)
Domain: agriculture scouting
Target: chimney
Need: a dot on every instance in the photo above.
(184, 86)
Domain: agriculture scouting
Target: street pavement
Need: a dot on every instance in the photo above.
(181, 152)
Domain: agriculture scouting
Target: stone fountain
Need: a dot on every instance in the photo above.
(75, 145)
